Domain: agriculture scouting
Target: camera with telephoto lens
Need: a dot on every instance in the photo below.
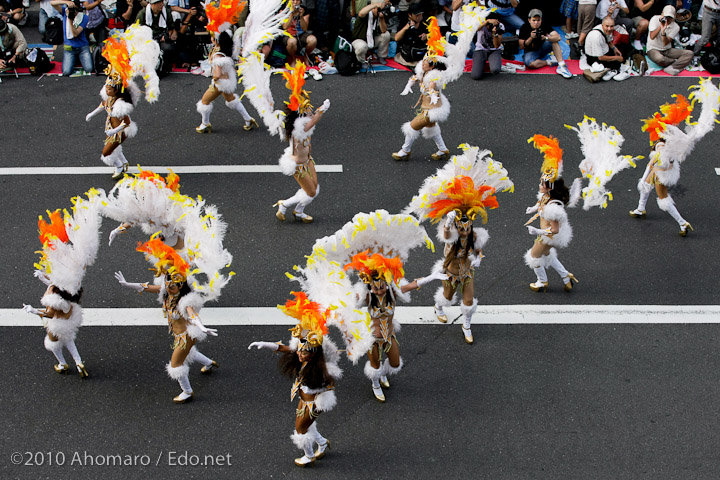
(389, 11)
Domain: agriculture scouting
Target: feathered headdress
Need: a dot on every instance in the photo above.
(130, 54)
(460, 195)
(70, 242)
(376, 268)
(295, 81)
(669, 114)
(223, 15)
(312, 318)
(552, 164)
(171, 181)
(435, 40)
(166, 260)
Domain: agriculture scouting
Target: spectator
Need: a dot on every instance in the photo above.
(412, 38)
(613, 8)
(12, 46)
(192, 20)
(46, 12)
(569, 8)
(538, 43)
(663, 30)
(506, 11)
(13, 12)
(599, 48)
(586, 18)
(488, 46)
(127, 10)
(456, 7)
(97, 23)
(76, 44)
(710, 17)
(641, 14)
(158, 17)
(369, 29)
(299, 38)
(326, 24)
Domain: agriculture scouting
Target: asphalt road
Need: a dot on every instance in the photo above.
(555, 401)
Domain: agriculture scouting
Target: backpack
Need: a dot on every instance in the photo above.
(100, 63)
(347, 63)
(710, 60)
(54, 31)
(37, 61)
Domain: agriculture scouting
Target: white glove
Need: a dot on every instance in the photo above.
(138, 287)
(42, 277)
(115, 130)
(536, 231)
(31, 309)
(450, 218)
(434, 97)
(532, 209)
(476, 261)
(209, 331)
(115, 233)
(433, 276)
(324, 107)
(93, 113)
(408, 87)
(269, 345)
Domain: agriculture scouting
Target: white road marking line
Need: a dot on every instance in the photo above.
(488, 315)
(161, 170)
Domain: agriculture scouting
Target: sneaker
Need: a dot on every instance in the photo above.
(80, 73)
(26, 3)
(572, 35)
(508, 68)
(563, 70)
(315, 74)
(622, 76)
(382, 60)
(552, 60)
(637, 45)
(609, 75)
(197, 70)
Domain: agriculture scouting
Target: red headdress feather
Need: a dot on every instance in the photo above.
(55, 230)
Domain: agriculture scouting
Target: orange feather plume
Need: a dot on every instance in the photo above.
(168, 260)
(295, 81)
(226, 11)
(172, 181)
(55, 230)
(312, 318)
(116, 53)
(460, 194)
(550, 147)
(435, 39)
(670, 114)
(369, 266)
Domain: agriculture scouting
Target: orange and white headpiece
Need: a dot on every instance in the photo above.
(166, 260)
(311, 327)
(222, 15)
(133, 53)
(376, 270)
(553, 163)
(669, 114)
(118, 71)
(435, 40)
(299, 100)
(461, 196)
(171, 180)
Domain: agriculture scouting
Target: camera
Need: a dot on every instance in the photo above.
(72, 13)
(663, 20)
(539, 32)
(388, 11)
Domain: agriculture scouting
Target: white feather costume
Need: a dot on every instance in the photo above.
(228, 84)
(263, 24)
(600, 145)
(327, 283)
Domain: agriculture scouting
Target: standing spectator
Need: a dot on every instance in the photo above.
(506, 11)
(13, 11)
(538, 43)
(488, 46)
(586, 18)
(46, 12)
(569, 8)
(12, 46)
(412, 38)
(158, 17)
(641, 14)
(663, 30)
(369, 29)
(456, 7)
(710, 17)
(599, 48)
(76, 43)
(613, 8)
(298, 37)
(97, 23)
(127, 10)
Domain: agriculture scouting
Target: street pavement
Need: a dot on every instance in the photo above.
(525, 401)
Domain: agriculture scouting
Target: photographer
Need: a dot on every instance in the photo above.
(412, 38)
(369, 29)
(599, 48)
(127, 10)
(538, 43)
(76, 44)
(297, 27)
(663, 30)
(158, 17)
(12, 46)
(12, 11)
(488, 47)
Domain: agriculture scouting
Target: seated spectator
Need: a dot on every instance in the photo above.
(710, 17)
(46, 12)
(13, 12)
(13, 46)
(412, 38)
(538, 43)
(488, 46)
(506, 11)
(76, 44)
(127, 10)
(586, 18)
(642, 12)
(158, 17)
(299, 38)
(97, 23)
(599, 48)
(663, 30)
(613, 8)
(370, 29)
